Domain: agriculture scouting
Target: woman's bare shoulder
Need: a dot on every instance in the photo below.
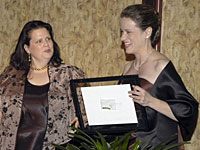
(154, 67)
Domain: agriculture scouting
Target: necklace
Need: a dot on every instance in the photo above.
(140, 65)
(38, 69)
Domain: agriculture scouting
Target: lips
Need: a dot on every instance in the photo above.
(47, 51)
(127, 45)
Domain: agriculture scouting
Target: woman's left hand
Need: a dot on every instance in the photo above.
(140, 96)
(144, 98)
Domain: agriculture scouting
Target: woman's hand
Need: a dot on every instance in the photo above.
(140, 96)
(75, 122)
(144, 98)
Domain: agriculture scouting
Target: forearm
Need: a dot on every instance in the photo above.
(162, 107)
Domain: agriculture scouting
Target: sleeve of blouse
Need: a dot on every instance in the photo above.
(2, 80)
(0, 114)
(0, 103)
(79, 74)
(170, 88)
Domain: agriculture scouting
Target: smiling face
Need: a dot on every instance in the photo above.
(40, 47)
(133, 37)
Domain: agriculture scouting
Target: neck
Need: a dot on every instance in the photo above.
(38, 69)
(136, 64)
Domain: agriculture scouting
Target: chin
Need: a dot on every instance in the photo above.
(48, 57)
(129, 51)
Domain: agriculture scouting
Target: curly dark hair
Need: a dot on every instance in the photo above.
(144, 16)
(19, 58)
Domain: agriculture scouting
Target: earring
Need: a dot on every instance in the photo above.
(29, 58)
(147, 37)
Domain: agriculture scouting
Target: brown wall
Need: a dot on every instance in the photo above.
(181, 43)
(86, 30)
(88, 34)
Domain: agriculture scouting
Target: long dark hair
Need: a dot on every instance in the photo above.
(144, 16)
(19, 58)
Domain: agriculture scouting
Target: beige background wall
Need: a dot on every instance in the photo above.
(88, 34)
(86, 30)
(181, 43)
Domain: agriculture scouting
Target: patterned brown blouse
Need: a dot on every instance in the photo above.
(61, 108)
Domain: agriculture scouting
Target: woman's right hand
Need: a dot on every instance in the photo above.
(75, 122)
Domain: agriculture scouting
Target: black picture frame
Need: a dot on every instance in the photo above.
(116, 129)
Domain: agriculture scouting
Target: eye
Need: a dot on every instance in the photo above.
(38, 41)
(128, 32)
(48, 38)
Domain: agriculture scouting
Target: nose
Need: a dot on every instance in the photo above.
(46, 43)
(123, 36)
